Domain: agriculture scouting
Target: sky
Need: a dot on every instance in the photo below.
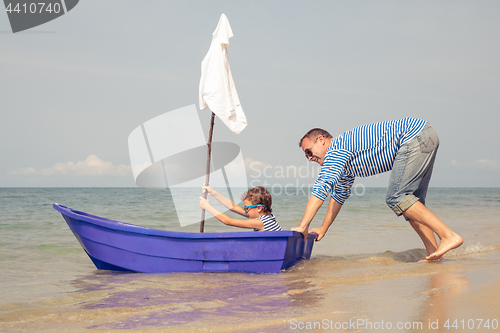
(73, 89)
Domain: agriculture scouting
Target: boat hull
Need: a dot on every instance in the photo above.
(114, 245)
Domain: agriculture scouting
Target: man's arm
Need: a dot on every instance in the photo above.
(331, 214)
(329, 176)
(313, 205)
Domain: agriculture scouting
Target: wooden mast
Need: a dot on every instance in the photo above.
(207, 178)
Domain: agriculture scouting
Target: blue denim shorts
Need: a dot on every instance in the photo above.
(412, 170)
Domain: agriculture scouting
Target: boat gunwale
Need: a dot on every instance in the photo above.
(132, 228)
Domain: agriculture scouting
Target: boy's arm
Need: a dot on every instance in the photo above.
(251, 223)
(225, 201)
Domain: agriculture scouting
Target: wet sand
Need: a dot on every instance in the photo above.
(354, 293)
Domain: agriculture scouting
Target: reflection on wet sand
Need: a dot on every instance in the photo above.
(440, 289)
(161, 300)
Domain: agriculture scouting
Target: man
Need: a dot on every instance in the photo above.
(407, 147)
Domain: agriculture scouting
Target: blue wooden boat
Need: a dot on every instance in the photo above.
(119, 246)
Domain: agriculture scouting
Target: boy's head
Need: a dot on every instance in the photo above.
(259, 195)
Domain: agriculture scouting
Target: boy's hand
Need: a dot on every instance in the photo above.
(208, 190)
(204, 204)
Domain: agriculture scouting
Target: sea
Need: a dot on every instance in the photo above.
(363, 276)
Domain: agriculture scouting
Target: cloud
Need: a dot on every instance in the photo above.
(92, 166)
(488, 164)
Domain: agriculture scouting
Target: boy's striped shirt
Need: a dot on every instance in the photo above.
(270, 223)
(361, 152)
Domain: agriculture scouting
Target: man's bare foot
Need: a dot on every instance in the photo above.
(430, 250)
(430, 260)
(445, 245)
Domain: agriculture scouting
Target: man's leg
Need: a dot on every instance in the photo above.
(426, 235)
(447, 238)
(407, 190)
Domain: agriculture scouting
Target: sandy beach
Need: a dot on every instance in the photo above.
(363, 276)
(356, 293)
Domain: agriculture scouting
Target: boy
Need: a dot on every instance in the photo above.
(257, 209)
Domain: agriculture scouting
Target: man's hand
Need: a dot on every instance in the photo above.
(302, 230)
(320, 231)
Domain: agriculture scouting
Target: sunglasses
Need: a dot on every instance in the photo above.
(308, 151)
(251, 206)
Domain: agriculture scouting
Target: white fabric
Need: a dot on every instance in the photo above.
(217, 90)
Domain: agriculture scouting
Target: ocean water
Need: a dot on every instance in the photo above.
(364, 271)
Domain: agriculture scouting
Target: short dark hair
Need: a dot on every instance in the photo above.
(259, 195)
(314, 133)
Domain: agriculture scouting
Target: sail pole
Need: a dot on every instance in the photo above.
(207, 178)
(217, 91)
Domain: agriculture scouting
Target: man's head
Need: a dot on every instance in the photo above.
(315, 143)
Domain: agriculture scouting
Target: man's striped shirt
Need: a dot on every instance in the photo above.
(361, 152)
(270, 223)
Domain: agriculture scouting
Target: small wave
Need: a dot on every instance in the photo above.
(415, 255)
(473, 248)
(412, 255)
(390, 257)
